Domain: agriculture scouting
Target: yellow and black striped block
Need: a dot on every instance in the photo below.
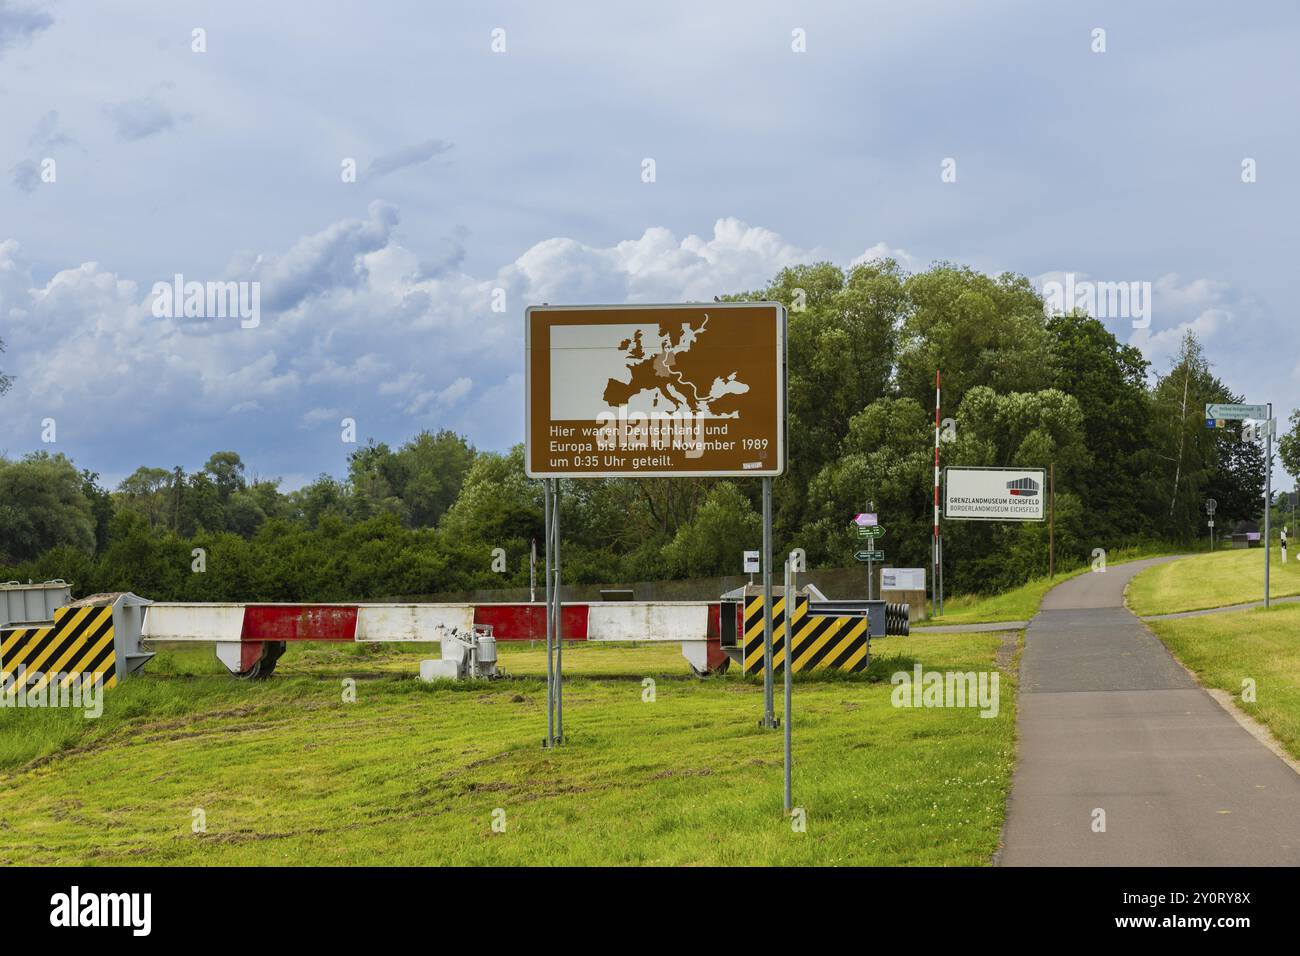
(80, 641)
(820, 643)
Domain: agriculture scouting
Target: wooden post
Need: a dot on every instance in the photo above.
(1051, 520)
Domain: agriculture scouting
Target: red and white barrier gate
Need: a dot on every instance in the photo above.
(250, 637)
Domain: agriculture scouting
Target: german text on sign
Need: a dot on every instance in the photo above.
(994, 494)
(655, 390)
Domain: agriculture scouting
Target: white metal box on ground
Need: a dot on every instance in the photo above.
(439, 670)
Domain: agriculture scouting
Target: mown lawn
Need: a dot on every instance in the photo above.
(285, 772)
(1212, 580)
(1223, 650)
(1018, 604)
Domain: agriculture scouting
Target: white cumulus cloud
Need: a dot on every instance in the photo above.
(351, 325)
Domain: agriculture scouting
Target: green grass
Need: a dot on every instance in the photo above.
(1225, 649)
(1018, 604)
(1211, 580)
(1021, 603)
(411, 773)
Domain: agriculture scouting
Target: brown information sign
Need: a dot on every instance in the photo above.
(655, 390)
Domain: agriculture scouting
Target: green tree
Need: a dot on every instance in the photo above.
(147, 492)
(618, 517)
(887, 458)
(5, 380)
(1108, 380)
(267, 496)
(418, 482)
(294, 561)
(323, 498)
(1021, 429)
(101, 506)
(226, 470)
(712, 542)
(74, 565)
(243, 514)
(43, 504)
(432, 468)
(660, 506)
(843, 332)
(976, 330)
(497, 504)
(201, 506)
(1186, 460)
(1236, 482)
(177, 494)
(140, 560)
(1288, 448)
(374, 477)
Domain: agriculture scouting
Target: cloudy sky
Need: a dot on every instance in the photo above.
(127, 157)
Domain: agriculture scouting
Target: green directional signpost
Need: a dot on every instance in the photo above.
(1217, 415)
(1234, 412)
(866, 525)
(869, 557)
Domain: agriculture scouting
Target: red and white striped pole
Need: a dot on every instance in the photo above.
(936, 600)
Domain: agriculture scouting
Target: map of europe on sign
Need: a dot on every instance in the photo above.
(656, 390)
(644, 367)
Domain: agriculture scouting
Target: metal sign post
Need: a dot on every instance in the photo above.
(867, 524)
(769, 710)
(871, 564)
(936, 599)
(1211, 505)
(549, 739)
(559, 619)
(554, 631)
(1217, 416)
(1268, 495)
(1051, 520)
(787, 646)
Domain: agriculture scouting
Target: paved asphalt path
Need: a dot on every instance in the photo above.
(1109, 720)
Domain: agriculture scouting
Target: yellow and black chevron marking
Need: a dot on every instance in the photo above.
(79, 642)
(820, 643)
